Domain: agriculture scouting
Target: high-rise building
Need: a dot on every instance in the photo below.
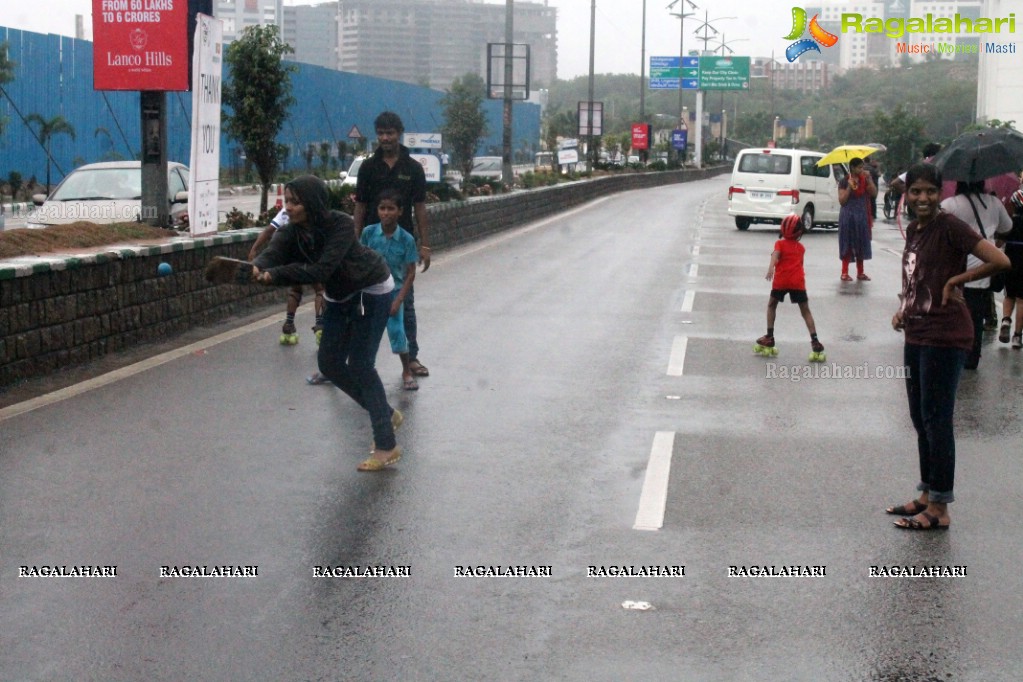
(433, 42)
(876, 50)
(1000, 78)
(312, 31)
(238, 15)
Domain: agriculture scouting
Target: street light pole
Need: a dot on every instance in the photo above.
(589, 107)
(682, 14)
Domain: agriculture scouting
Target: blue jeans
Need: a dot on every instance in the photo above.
(347, 356)
(410, 323)
(931, 388)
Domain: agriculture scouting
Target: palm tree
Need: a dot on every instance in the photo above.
(47, 129)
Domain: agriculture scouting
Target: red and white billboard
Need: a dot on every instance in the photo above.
(641, 136)
(140, 44)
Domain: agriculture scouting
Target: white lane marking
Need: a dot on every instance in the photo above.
(125, 372)
(687, 301)
(654, 497)
(694, 268)
(696, 249)
(892, 251)
(677, 361)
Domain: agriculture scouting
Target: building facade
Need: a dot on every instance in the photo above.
(877, 50)
(312, 31)
(448, 38)
(1000, 79)
(238, 15)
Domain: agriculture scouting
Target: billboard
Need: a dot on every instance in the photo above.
(140, 44)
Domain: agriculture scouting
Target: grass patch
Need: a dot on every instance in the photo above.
(80, 235)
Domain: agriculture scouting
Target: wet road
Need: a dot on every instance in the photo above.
(594, 407)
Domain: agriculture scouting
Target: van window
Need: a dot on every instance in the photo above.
(773, 164)
(808, 166)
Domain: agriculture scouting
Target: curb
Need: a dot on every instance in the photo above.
(25, 266)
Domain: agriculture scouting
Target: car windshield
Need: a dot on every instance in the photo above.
(772, 164)
(353, 170)
(100, 183)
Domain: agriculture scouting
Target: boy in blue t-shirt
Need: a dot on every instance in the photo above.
(398, 248)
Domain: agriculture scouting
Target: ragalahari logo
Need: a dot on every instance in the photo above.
(803, 45)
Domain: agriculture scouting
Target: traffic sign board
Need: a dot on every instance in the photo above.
(664, 73)
(724, 73)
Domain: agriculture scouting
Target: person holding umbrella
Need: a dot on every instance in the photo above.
(938, 335)
(855, 193)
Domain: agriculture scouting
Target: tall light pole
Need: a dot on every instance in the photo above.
(721, 131)
(506, 141)
(589, 109)
(642, 69)
(681, 14)
(706, 26)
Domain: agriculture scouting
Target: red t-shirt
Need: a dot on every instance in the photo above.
(788, 273)
(931, 257)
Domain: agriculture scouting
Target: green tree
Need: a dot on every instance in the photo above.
(903, 135)
(465, 122)
(259, 94)
(57, 125)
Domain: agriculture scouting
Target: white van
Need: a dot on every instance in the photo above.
(769, 184)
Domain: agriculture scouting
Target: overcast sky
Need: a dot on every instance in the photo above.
(758, 29)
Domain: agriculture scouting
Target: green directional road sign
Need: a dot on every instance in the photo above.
(724, 73)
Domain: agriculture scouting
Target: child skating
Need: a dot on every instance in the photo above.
(788, 277)
(289, 334)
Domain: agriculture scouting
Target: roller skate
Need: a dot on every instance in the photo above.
(289, 335)
(318, 332)
(765, 346)
(817, 352)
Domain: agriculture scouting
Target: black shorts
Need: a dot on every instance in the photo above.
(795, 295)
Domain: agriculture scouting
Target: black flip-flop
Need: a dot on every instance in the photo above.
(903, 510)
(913, 524)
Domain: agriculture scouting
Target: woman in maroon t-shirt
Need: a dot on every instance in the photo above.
(939, 334)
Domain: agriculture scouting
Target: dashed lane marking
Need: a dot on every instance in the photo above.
(677, 360)
(687, 301)
(654, 497)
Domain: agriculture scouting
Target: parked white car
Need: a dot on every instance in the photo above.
(351, 176)
(107, 192)
(769, 184)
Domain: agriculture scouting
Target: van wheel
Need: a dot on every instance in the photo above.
(743, 223)
(808, 218)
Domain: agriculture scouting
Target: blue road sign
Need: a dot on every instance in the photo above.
(679, 139)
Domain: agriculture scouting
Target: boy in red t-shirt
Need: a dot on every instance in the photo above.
(786, 273)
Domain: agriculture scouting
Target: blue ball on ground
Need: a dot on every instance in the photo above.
(163, 269)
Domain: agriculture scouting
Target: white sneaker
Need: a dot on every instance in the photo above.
(1017, 340)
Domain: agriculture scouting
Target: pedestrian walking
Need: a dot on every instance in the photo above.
(399, 251)
(938, 336)
(854, 221)
(319, 245)
(788, 277)
(1013, 300)
(392, 166)
(986, 215)
(874, 168)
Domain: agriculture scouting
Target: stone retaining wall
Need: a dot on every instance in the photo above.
(60, 311)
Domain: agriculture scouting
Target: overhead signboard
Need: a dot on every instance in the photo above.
(690, 73)
(724, 73)
(664, 73)
(140, 45)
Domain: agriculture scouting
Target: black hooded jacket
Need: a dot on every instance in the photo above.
(324, 249)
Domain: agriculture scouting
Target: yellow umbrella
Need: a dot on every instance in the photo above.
(846, 153)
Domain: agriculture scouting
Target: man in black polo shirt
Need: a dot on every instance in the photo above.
(391, 166)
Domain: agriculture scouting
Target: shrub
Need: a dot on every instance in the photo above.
(237, 220)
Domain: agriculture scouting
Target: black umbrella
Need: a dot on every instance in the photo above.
(981, 154)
